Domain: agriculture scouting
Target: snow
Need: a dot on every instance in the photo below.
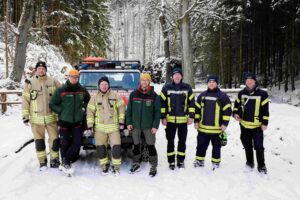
(21, 179)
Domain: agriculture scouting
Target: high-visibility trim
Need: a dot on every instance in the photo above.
(91, 106)
(191, 110)
(216, 160)
(200, 158)
(256, 113)
(265, 101)
(192, 96)
(171, 154)
(116, 161)
(177, 119)
(121, 116)
(169, 104)
(163, 110)
(177, 92)
(217, 114)
(41, 154)
(163, 96)
(226, 107)
(181, 153)
(244, 96)
(250, 125)
(54, 154)
(197, 116)
(120, 103)
(235, 109)
(238, 100)
(103, 161)
(197, 105)
(265, 117)
(106, 128)
(210, 98)
(226, 118)
(212, 131)
(26, 94)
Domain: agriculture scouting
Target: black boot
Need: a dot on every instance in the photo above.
(54, 163)
(249, 157)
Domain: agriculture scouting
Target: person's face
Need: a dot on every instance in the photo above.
(145, 83)
(41, 71)
(177, 78)
(212, 85)
(250, 83)
(103, 86)
(73, 79)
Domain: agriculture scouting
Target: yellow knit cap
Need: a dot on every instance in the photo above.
(146, 76)
(73, 72)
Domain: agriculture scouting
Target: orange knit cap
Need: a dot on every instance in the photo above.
(146, 76)
(73, 72)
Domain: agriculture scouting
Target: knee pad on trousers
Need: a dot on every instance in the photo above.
(55, 145)
(116, 151)
(136, 149)
(152, 150)
(40, 144)
(101, 151)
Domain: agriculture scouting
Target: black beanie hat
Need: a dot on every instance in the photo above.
(40, 64)
(177, 70)
(212, 78)
(250, 75)
(103, 78)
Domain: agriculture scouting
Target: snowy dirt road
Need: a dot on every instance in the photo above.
(21, 179)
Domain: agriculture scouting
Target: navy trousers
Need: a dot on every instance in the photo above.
(170, 134)
(203, 140)
(70, 143)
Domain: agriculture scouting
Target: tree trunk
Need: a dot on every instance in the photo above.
(22, 41)
(187, 57)
(6, 38)
(221, 71)
(163, 23)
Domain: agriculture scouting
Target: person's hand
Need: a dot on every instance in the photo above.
(154, 131)
(121, 126)
(88, 132)
(190, 121)
(130, 127)
(223, 127)
(26, 121)
(237, 117)
(196, 125)
(164, 122)
(264, 127)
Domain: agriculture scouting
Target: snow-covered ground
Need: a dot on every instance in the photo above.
(21, 179)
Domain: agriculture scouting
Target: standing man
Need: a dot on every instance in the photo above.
(213, 111)
(177, 111)
(106, 115)
(143, 115)
(251, 109)
(35, 110)
(70, 102)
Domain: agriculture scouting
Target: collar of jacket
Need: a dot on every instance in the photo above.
(106, 93)
(42, 77)
(250, 91)
(73, 87)
(214, 90)
(148, 89)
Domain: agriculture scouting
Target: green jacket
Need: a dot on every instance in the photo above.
(143, 109)
(69, 102)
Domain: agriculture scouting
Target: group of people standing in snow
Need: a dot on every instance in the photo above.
(61, 111)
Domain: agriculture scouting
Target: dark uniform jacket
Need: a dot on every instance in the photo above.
(143, 109)
(69, 102)
(177, 103)
(213, 109)
(252, 107)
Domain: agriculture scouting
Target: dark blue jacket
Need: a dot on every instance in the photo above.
(213, 109)
(177, 103)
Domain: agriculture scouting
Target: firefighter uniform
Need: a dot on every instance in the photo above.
(253, 109)
(213, 109)
(104, 113)
(177, 106)
(35, 108)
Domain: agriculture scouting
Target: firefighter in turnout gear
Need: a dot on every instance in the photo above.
(143, 116)
(70, 102)
(177, 111)
(251, 109)
(213, 111)
(35, 110)
(106, 115)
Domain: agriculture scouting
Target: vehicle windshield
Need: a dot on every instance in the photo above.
(118, 80)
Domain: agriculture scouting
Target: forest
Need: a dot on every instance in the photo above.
(222, 37)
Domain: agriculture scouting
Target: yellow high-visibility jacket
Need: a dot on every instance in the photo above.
(105, 112)
(35, 99)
